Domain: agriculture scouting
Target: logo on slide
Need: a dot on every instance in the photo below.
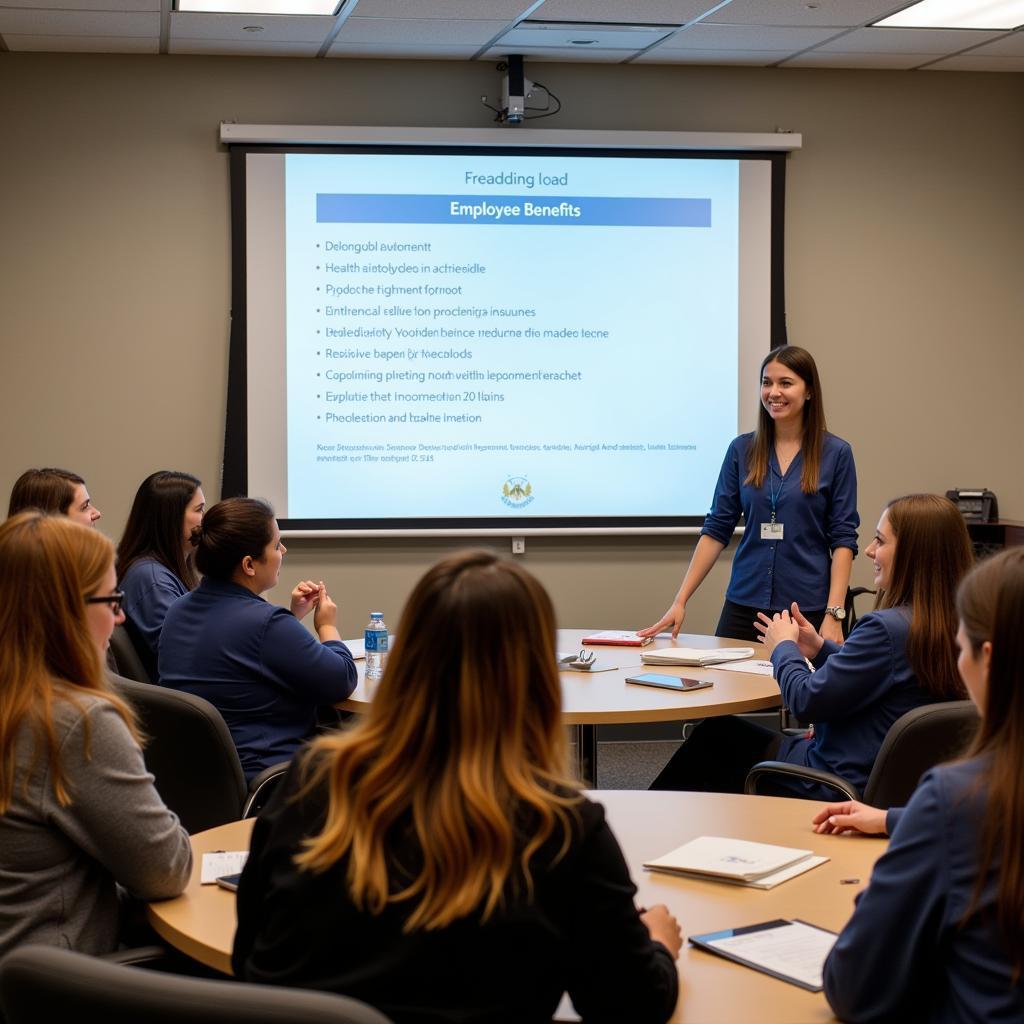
(517, 492)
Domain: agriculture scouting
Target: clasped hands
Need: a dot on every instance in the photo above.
(786, 626)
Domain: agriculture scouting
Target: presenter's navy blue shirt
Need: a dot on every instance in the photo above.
(772, 574)
(908, 954)
(257, 664)
(854, 695)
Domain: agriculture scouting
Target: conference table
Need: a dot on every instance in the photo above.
(601, 696)
(201, 922)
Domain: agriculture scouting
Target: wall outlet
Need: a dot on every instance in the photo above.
(518, 545)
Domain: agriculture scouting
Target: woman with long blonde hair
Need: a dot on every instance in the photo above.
(78, 811)
(437, 860)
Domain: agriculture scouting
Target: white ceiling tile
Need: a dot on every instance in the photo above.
(627, 12)
(568, 55)
(974, 62)
(25, 21)
(81, 44)
(276, 28)
(746, 37)
(238, 48)
(840, 13)
(474, 10)
(418, 31)
(866, 61)
(746, 58)
(386, 51)
(1008, 46)
(908, 40)
(84, 5)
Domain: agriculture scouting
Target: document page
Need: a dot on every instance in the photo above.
(790, 950)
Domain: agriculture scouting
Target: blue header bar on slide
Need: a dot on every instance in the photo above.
(562, 210)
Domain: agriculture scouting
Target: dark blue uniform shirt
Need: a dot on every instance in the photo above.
(257, 664)
(907, 953)
(773, 574)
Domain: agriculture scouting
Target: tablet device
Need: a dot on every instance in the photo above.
(668, 682)
(229, 882)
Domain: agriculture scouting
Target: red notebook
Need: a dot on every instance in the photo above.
(617, 638)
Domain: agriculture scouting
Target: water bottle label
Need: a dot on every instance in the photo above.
(375, 642)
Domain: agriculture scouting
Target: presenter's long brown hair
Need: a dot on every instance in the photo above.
(991, 607)
(933, 553)
(801, 362)
(463, 741)
(48, 566)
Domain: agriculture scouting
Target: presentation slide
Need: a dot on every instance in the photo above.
(503, 336)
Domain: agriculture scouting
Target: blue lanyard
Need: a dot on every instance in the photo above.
(774, 494)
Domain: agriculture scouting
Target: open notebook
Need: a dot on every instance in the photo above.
(696, 655)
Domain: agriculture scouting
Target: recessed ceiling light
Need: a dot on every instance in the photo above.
(252, 28)
(314, 7)
(983, 14)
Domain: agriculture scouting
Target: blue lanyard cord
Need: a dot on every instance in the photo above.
(774, 494)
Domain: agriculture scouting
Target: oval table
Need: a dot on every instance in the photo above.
(593, 698)
(201, 922)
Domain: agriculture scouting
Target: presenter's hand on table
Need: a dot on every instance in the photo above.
(673, 619)
(304, 597)
(787, 626)
(850, 816)
(664, 928)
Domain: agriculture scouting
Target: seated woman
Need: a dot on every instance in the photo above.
(939, 933)
(435, 859)
(154, 558)
(253, 661)
(78, 812)
(57, 491)
(896, 658)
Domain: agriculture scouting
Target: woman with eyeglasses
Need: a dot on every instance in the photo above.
(437, 860)
(80, 819)
(255, 662)
(57, 491)
(155, 557)
(938, 935)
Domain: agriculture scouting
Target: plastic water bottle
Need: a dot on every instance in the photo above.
(376, 644)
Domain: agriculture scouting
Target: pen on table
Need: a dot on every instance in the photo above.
(849, 881)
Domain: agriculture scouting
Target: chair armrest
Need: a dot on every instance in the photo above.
(799, 771)
(261, 788)
(139, 956)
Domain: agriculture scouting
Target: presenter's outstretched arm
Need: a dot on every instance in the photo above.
(705, 554)
(839, 582)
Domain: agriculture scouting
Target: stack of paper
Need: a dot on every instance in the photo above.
(739, 861)
(618, 638)
(696, 655)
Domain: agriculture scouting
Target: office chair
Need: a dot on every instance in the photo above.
(915, 742)
(126, 657)
(193, 758)
(45, 983)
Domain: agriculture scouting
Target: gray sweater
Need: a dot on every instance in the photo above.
(60, 866)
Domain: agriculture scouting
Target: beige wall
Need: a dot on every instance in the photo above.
(905, 228)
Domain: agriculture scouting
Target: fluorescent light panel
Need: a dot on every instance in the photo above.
(325, 7)
(993, 14)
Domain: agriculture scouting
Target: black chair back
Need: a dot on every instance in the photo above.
(190, 753)
(39, 983)
(917, 741)
(126, 657)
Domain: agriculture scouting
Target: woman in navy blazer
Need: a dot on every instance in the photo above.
(255, 662)
(938, 935)
(897, 658)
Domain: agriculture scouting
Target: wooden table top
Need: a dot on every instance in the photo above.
(201, 922)
(604, 698)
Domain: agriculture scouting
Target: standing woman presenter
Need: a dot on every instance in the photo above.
(795, 485)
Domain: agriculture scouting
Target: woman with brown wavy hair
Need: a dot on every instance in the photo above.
(897, 658)
(78, 811)
(939, 933)
(437, 860)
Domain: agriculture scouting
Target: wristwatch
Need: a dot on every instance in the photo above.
(837, 612)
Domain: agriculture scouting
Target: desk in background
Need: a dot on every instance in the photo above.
(590, 699)
(201, 922)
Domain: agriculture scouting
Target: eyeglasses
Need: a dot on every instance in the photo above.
(114, 600)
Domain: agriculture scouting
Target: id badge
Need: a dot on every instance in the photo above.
(771, 531)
